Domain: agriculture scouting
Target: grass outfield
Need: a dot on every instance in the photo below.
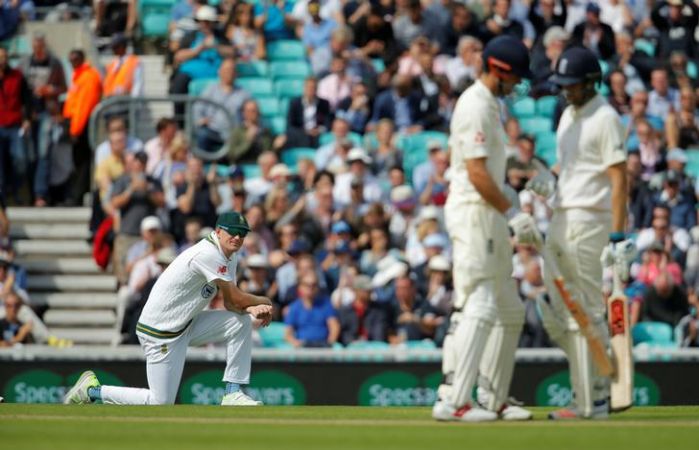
(58, 427)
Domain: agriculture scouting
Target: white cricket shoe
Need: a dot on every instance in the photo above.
(600, 411)
(470, 413)
(78, 395)
(514, 412)
(239, 398)
(443, 411)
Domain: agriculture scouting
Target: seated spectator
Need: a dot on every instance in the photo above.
(124, 75)
(308, 117)
(257, 279)
(682, 127)
(213, 124)
(149, 266)
(170, 171)
(401, 104)
(663, 98)
(112, 17)
(355, 108)
(149, 241)
(117, 124)
(364, 319)
(200, 54)
(258, 187)
(192, 234)
(277, 202)
(410, 312)
(462, 23)
(648, 145)
(373, 36)
(595, 34)
(682, 211)
(134, 196)
(359, 163)
(639, 112)
(409, 62)
(250, 138)
(13, 330)
(437, 187)
(257, 221)
(337, 260)
(545, 57)
(544, 15)
(656, 261)
(675, 240)
(332, 156)
(689, 327)
(416, 21)
(275, 20)
(431, 245)
(158, 147)
(385, 155)
(248, 42)
(665, 301)
(426, 170)
(336, 85)
(317, 30)
(10, 18)
(182, 23)
(619, 99)
(676, 21)
(378, 249)
(358, 66)
(467, 62)
(631, 62)
(500, 23)
(197, 197)
(311, 320)
(404, 218)
(111, 168)
(298, 259)
(525, 164)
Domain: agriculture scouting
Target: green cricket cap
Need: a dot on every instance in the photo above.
(232, 221)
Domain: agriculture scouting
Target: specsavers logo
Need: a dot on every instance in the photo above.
(270, 386)
(44, 386)
(396, 388)
(555, 390)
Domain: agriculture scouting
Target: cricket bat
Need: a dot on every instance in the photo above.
(621, 343)
(598, 349)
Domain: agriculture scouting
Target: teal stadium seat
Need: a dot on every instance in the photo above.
(368, 345)
(253, 69)
(378, 65)
(524, 107)
(423, 344)
(291, 156)
(546, 106)
(277, 125)
(256, 86)
(653, 333)
(285, 50)
(17, 45)
(645, 46)
(197, 87)
(288, 87)
(327, 138)
(273, 335)
(546, 147)
(289, 69)
(155, 17)
(269, 106)
(692, 167)
(536, 125)
(284, 105)
(414, 148)
(251, 170)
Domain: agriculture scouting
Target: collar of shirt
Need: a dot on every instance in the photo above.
(588, 107)
(214, 240)
(486, 93)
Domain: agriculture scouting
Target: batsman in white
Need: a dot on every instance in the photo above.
(174, 318)
(589, 214)
(488, 314)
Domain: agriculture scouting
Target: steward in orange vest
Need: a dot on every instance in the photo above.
(84, 93)
(125, 73)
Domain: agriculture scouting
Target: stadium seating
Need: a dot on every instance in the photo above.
(536, 125)
(415, 149)
(546, 106)
(653, 333)
(269, 106)
(289, 69)
(327, 138)
(197, 87)
(256, 86)
(368, 345)
(286, 50)
(692, 167)
(277, 125)
(253, 69)
(291, 156)
(251, 170)
(524, 107)
(155, 17)
(546, 147)
(288, 87)
(273, 335)
(645, 46)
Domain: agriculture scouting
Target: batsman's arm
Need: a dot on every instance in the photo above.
(236, 300)
(485, 185)
(617, 176)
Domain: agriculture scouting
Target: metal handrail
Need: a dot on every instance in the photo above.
(132, 106)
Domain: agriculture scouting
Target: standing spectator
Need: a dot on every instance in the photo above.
(15, 116)
(47, 82)
(124, 75)
(84, 94)
(665, 301)
(309, 116)
(117, 124)
(213, 125)
(401, 104)
(13, 331)
(311, 320)
(595, 34)
(663, 99)
(158, 147)
(250, 138)
(135, 196)
(198, 197)
(676, 21)
(111, 168)
(249, 43)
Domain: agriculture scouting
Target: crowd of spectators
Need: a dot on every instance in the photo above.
(349, 244)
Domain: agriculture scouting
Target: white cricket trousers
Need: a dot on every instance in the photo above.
(492, 314)
(165, 358)
(575, 240)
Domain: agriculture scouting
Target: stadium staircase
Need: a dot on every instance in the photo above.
(52, 244)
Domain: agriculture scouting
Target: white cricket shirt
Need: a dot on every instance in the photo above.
(590, 140)
(185, 288)
(476, 132)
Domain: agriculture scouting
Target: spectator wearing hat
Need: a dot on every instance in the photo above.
(46, 79)
(308, 117)
(158, 147)
(213, 123)
(124, 74)
(595, 34)
(432, 245)
(676, 21)
(332, 155)
(359, 163)
(402, 104)
(427, 223)
(197, 197)
(15, 121)
(363, 319)
(251, 137)
(311, 320)
(129, 249)
(256, 277)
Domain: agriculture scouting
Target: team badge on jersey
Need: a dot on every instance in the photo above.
(479, 138)
(208, 291)
(222, 270)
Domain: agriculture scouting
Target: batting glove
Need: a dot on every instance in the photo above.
(543, 184)
(525, 230)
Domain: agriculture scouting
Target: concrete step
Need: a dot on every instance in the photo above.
(74, 299)
(72, 283)
(61, 265)
(81, 317)
(93, 336)
(49, 231)
(61, 247)
(48, 215)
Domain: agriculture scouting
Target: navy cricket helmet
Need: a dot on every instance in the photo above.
(508, 54)
(576, 65)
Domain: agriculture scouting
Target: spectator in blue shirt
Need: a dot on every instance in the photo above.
(682, 210)
(274, 18)
(317, 32)
(311, 320)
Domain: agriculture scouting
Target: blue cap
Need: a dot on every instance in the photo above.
(340, 227)
(508, 54)
(235, 171)
(593, 8)
(576, 65)
(435, 240)
(298, 246)
(342, 247)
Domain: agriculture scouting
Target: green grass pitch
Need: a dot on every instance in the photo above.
(58, 427)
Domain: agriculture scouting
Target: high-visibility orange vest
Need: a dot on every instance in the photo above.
(121, 77)
(83, 95)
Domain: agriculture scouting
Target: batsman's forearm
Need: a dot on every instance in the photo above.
(619, 197)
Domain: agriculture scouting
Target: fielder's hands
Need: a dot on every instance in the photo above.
(525, 230)
(263, 313)
(544, 184)
(620, 256)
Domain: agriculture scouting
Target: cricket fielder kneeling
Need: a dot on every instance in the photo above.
(174, 318)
